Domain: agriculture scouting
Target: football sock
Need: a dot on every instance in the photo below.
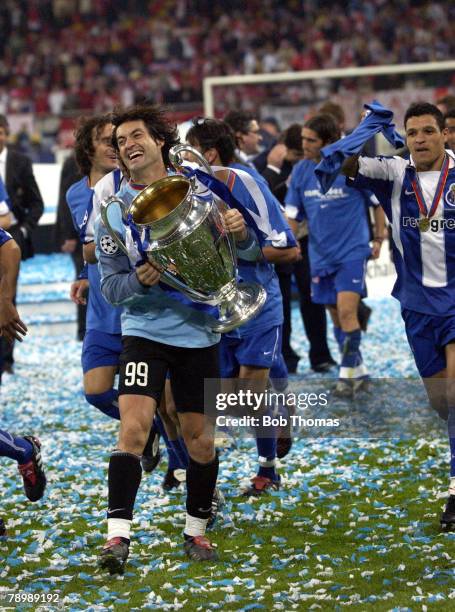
(16, 448)
(200, 486)
(351, 360)
(266, 447)
(194, 526)
(351, 345)
(119, 528)
(107, 402)
(339, 337)
(123, 481)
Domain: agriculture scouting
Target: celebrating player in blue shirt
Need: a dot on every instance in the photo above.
(418, 196)
(338, 246)
(102, 344)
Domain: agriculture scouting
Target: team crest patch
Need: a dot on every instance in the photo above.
(108, 245)
(450, 195)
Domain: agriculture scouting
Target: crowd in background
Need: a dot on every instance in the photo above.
(60, 56)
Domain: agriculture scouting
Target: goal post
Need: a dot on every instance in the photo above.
(211, 83)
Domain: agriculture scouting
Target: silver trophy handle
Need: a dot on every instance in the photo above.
(105, 204)
(177, 160)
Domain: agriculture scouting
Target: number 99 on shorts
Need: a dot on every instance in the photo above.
(136, 374)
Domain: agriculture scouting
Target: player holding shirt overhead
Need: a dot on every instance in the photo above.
(26, 450)
(418, 197)
(254, 348)
(338, 246)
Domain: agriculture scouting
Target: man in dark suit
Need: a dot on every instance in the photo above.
(26, 205)
(24, 194)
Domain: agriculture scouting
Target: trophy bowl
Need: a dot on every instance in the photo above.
(184, 232)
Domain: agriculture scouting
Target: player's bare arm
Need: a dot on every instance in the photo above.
(88, 250)
(11, 326)
(278, 255)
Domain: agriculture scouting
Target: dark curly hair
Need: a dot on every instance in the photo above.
(83, 146)
(156, 121)
(213, 133)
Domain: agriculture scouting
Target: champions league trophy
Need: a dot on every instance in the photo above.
(186, 235)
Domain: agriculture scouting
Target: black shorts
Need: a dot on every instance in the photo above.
(144, 365)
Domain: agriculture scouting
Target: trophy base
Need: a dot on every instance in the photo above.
(247, 301)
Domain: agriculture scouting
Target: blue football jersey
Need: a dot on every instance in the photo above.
(337, 223)
(256, 196)
(101, 315)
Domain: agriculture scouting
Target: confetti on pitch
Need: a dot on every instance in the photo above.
(355, 523)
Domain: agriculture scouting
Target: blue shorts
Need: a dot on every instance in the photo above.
(100, 349)
(348, 276)
(427, 337)
(261, 350)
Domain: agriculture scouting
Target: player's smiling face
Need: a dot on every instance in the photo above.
(104, 157)
(311, 144)
(139, 151)
(426, 142)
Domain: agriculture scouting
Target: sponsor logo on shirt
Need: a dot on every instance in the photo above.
(435, 224)
(334, 192)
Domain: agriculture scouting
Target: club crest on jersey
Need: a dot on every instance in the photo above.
(108, 245)
(450, 195)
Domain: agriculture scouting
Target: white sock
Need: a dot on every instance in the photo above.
(264, 462)
(195, 526)
(452, 485)
(118, 528)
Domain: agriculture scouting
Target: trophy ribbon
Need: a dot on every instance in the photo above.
(424, 221)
